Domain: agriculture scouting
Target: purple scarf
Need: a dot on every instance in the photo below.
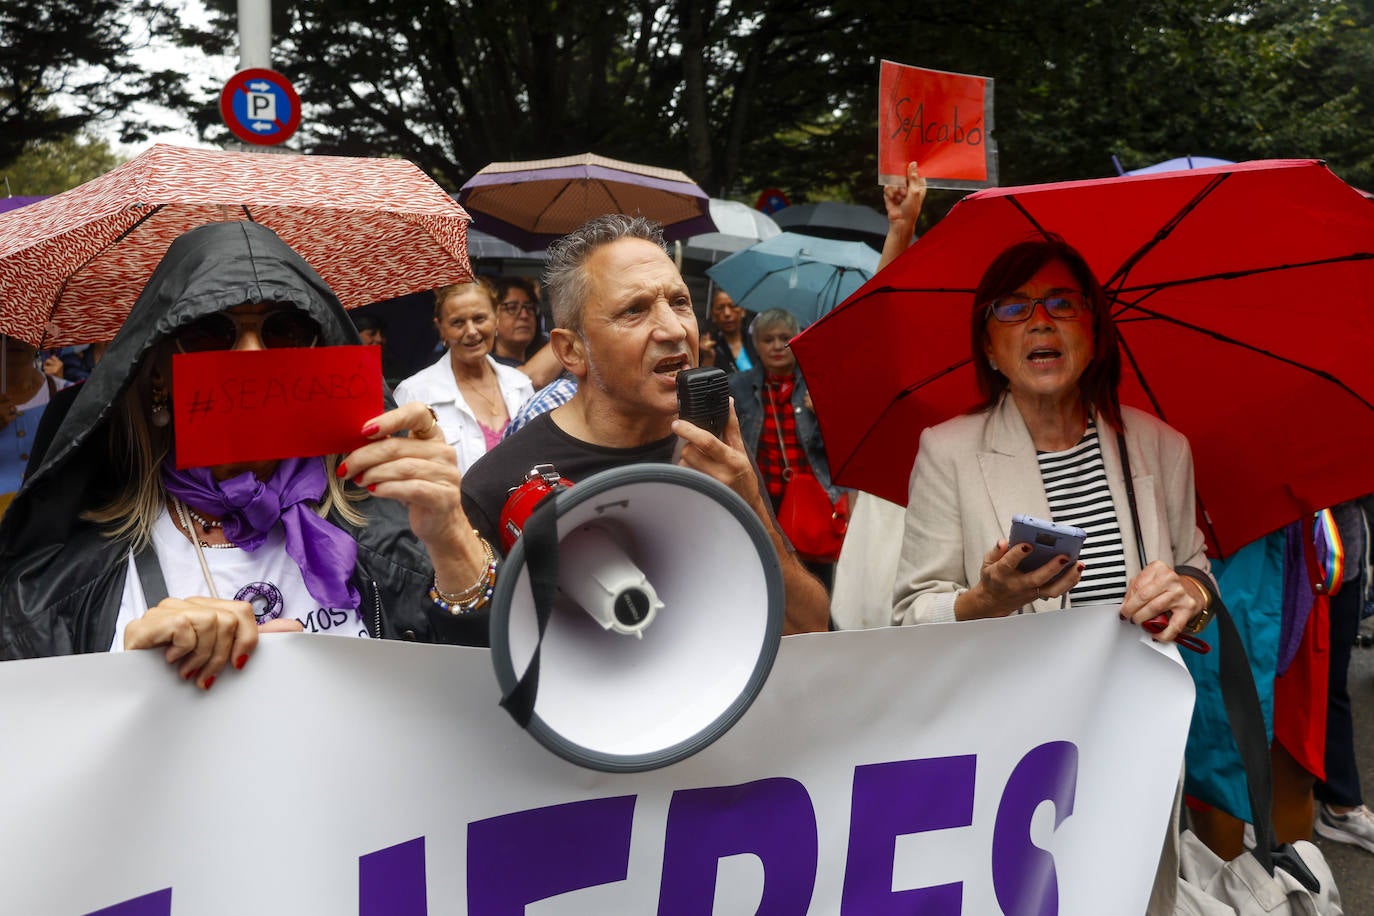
(250, 507)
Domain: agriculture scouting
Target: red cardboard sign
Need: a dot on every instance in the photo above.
(942, 121)
(256, 405)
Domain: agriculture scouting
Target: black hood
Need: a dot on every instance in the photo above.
(206, 270)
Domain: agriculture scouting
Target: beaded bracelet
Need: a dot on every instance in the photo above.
(475, 596)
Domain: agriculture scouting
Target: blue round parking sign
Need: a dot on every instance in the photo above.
(260, 106)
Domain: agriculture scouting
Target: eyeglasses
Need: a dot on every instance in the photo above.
(1016, 309)
(282, 328)
(515, 307)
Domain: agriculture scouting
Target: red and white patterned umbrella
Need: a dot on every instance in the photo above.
(71, 266)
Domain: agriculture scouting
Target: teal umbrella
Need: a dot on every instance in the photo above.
(805, 275)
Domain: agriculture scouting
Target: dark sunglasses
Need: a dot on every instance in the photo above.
(283, 328)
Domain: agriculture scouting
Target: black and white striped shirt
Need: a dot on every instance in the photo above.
(1076, 484)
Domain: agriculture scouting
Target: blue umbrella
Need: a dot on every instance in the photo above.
(805, 275)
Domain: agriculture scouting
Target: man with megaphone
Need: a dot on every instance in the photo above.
(625, 327)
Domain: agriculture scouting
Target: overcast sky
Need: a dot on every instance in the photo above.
(161, 54)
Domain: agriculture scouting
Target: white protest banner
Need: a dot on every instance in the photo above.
(982, 767)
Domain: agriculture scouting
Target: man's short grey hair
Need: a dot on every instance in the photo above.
(565, 280)
(774, 318)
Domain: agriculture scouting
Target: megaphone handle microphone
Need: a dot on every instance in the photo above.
(540, 535)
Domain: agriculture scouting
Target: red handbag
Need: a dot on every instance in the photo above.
(813, 524)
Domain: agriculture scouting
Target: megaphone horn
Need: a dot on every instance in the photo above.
(654, 551)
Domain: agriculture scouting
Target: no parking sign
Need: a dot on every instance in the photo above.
(260, 106)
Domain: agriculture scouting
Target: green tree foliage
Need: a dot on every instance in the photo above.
(745, 94)
(66, 63)
(54, 166)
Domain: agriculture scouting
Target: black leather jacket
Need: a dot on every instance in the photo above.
(62, 579)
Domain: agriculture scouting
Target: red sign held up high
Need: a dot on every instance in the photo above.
(941, 121)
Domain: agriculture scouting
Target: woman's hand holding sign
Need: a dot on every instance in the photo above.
(903, 204)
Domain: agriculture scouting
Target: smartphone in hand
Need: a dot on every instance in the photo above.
(1047, 540)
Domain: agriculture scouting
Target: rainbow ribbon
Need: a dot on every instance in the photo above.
(1332, 551)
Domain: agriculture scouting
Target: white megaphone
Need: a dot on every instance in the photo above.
(662, 610)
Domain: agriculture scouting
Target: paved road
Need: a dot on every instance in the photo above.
(1353, 867)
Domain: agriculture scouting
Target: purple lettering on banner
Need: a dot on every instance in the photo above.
(391, 881)
(894, 799)
(519, 858)
(771, 818)
(1023, 874)
(158, 903)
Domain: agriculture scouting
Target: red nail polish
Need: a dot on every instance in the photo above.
(209, 682)
(192, 675)
(1025, 548)
(371, 429)
(358, 480)
(342, 470)
(1063, 561)
(240, 662)
(372, 488)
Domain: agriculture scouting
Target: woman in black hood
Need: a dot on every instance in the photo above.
(106, 528)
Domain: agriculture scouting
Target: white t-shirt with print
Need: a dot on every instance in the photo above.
(267, 578)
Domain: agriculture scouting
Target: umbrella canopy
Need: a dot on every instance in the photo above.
(14, 203)
(71, 266)
(1183, 162)
(1242, 298)
(807, 276)
(531, 204)
(484, 246)
(737, 227)
(832, 220)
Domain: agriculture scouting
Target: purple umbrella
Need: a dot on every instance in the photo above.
(531, 204)
(14, 203)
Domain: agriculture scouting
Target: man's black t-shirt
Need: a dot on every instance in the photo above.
(487, 484)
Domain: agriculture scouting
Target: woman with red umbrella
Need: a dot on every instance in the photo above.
(1051, 440)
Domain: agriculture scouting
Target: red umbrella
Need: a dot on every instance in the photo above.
(71, 266)
(1242, 296)
(532, 204)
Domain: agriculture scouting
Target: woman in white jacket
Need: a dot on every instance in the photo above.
(472, 395)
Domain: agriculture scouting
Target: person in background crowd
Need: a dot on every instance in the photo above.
(555, 394)
(372, 332)
(472, 394)
(110, 546)
(1341, 813)
(518, 335)
(734, 350)
(776, 418)
(72, 364)
(24, 395)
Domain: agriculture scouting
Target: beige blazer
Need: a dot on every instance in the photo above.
(973, 473)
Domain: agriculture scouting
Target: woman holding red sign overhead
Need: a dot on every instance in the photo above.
(110, 546)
